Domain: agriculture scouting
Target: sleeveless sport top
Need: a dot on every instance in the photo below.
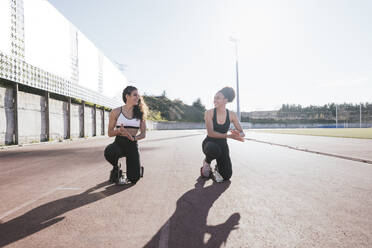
(127, 122)
(224, 127)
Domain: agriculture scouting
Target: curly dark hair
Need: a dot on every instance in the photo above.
(139, 110)
(228, 93)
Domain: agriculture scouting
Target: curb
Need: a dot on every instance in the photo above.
(6, 147)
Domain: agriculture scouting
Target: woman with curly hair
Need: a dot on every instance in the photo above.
(215, 145)
(124, 123)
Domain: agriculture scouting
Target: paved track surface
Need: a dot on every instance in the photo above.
(57, 195)
(349, 147)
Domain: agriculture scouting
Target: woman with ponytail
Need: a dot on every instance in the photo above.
(215, 145)
(124, 124)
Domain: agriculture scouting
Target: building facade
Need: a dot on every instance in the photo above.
(40, 48)
(54, 82)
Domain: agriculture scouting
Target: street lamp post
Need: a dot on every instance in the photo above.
(336, 117)
(360, 116)
(235, 41)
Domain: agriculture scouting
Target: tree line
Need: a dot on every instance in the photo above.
(161, 108)
(295, 113)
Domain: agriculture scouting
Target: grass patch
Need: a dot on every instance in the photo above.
(360, 133)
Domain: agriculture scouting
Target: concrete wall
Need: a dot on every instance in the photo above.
(75, 120)
(153, 125)
(58, 119)
(171, 125)
(6, 116)
(88, 121)
(99, 122)
(31, 118)
(107, 115)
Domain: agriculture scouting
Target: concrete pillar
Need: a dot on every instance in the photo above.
(103, 121)
(15, 108)
(94, 133)
(68, 118)
(83, 119)
(47, 119)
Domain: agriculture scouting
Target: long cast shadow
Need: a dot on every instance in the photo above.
(48, 214)
(187, 226)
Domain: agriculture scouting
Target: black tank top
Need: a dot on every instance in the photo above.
(221, 128)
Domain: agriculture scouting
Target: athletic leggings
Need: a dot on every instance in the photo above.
(123, 147)
(218, 149)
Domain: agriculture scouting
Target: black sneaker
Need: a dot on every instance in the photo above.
(115, 175)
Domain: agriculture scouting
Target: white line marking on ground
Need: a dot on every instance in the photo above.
(26, 204)
(164, 236)
(11, 211)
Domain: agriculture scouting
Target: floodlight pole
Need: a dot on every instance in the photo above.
(360, 116)
(235, 41)
(336, 117)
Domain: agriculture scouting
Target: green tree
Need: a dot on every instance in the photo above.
(198, 105)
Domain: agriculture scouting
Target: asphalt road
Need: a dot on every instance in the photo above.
(57, 195)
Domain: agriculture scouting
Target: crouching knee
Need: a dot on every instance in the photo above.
(107, 153)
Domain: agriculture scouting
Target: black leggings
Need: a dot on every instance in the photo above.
(219, 150)
(123, 147)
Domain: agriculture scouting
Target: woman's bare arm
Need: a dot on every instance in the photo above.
(238, 127)
(112, 122)
(142, 134)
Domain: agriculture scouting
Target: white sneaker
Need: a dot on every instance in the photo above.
(217, 176)
(123, 181)
(206, 169)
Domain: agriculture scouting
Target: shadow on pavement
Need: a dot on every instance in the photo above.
(188, 224)
(48, 214)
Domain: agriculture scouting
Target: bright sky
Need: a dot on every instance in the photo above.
(300, 52)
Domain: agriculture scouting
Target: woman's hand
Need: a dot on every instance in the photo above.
(241, 134)
(124, 132)
(235, 134)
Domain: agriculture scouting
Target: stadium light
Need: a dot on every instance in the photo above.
(360, 115)
(235, 41)
(336, 117)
